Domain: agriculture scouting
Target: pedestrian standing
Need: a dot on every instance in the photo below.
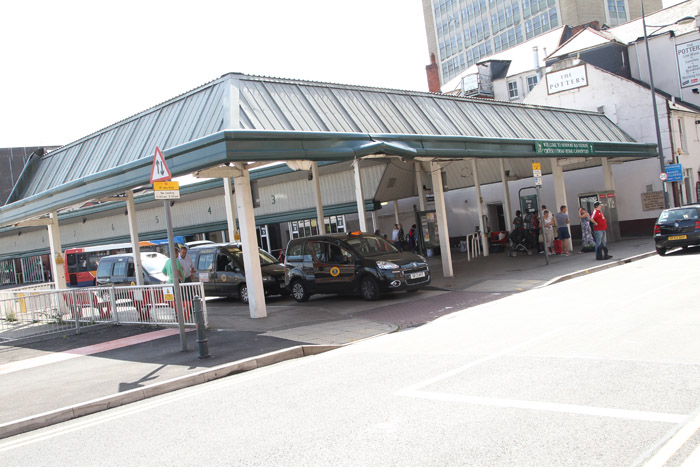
(401, 238)
(168, 270)
(548, 229)
(187, 265)
(562, 218)
(412, 238)
(587, 240)
(395, 235)
(599, 231)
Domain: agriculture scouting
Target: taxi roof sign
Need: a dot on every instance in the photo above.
(160, 171)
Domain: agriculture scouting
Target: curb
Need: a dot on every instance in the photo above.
(584, 272)
(64, 414)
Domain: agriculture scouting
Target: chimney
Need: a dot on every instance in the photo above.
(536, 58)
(433, 75)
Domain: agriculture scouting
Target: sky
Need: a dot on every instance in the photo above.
(73, 67)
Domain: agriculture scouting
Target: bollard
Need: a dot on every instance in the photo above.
(201, 328)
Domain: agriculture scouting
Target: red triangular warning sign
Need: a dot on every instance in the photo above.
(160, 171)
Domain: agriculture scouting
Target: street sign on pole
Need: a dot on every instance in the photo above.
(160, 171)
(674, 172)
(166, 190)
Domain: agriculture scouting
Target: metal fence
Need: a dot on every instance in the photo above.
(32, 269)
(7, 272)
(28, 312)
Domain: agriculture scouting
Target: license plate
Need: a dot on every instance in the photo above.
(678, 237)
(416, 275)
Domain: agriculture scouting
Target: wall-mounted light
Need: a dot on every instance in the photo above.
(310, 176)
(172, 203)
(84, 220)
(19, 233)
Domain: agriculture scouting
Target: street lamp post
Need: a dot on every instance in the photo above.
(659, 148)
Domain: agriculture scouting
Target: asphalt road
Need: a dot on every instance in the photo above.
(600, 370)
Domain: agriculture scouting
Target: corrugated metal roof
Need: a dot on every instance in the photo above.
(275, 104)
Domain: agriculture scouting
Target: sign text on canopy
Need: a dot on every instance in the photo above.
(556, 147)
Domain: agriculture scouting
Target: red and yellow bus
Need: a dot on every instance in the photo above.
(81, 263)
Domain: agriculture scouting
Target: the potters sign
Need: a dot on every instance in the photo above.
(688, 55)
(565, 80)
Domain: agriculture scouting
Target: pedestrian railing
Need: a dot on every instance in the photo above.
(472, 246)
(28, 313)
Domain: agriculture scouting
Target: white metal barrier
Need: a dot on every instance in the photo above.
(472, 246)
(27, 313)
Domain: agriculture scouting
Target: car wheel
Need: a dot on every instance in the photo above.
(369, 290)
(299, 292)
(661, 251)
(243, 293)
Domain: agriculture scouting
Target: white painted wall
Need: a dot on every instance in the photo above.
(662, 50)
(628, 105)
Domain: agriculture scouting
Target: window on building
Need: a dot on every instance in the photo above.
(528, 29)
(553, 18)
(516, 13)
(532, 82)
(617, 12)
(513, 89)
(497, 43)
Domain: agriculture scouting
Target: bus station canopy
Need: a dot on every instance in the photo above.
(256, 120)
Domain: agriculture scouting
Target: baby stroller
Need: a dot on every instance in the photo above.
(522, 240)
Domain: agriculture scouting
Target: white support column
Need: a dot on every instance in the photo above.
(230, 203)
(359, 195)
(249, 245)
(560, 194)
(419, 185)
(375, 220)
(134, 233)
(608, 179)
(507, 212)
(441, 214)
(58, 270)
(319, 201)
(396, 211)
(480, 202)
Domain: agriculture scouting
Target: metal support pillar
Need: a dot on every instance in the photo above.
(230, 203)
(480, 202)
(396, 211)
(560, 194)
(317, 197)
(441, 214)
(134, 233)
(57, 260)
(608, 178)
(419, 186)
(359, 196)
(507, 212)
(249, 245)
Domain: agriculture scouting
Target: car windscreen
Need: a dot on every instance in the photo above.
(154, 265)
(104, 269)
(675, 215)
(265, 257)
(371, 245)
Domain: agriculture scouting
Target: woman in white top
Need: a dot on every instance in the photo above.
(548, 222)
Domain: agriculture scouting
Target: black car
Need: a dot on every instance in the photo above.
(120, 270)
(677, 227)
(351, 263)
(219, 266)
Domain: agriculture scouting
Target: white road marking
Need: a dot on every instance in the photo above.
(142, 406)
(494, 356)
(672, 446)
(693, 459)
(551, 407)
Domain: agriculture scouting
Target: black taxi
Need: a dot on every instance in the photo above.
(347, 263)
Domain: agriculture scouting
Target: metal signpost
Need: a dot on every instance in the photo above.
(537, 173)
(166, 190)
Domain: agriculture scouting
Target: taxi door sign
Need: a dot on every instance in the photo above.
(160, 171)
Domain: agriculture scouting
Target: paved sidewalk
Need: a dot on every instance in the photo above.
(72, 375)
